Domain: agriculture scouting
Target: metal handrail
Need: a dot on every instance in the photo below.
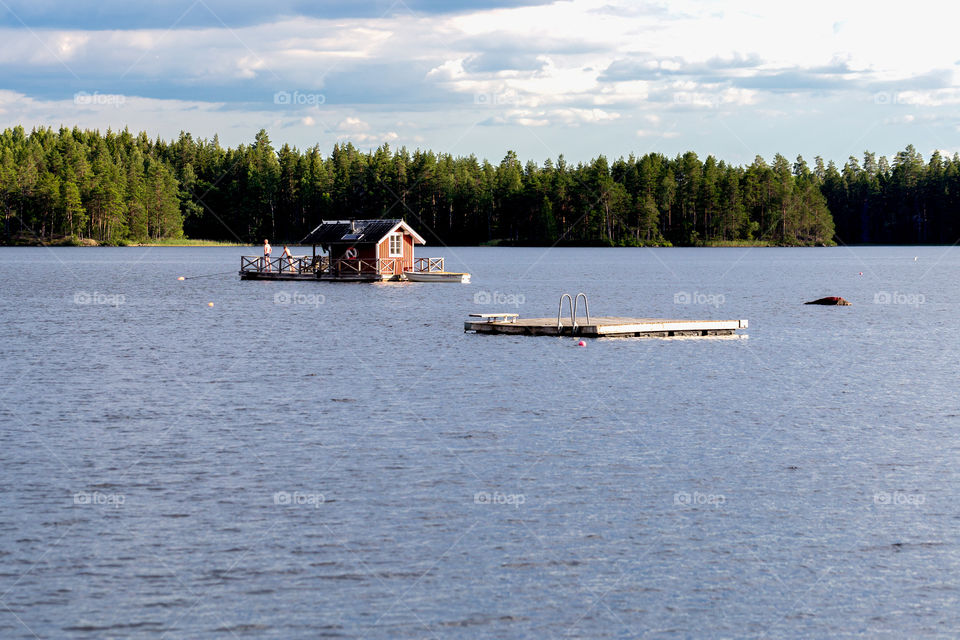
(574, 305)
(586, 306)
(573, 318)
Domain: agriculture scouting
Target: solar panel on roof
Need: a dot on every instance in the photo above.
(350, 231)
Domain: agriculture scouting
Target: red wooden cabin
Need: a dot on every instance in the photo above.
(365, 249)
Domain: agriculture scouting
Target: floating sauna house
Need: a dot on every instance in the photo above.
(356, 250)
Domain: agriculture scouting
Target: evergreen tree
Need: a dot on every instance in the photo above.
(118, 187)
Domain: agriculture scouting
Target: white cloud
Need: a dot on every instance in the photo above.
(653, 133)
(907, 119)
(690, 60)
(933, 98)
(364, 138)
(353, 125)
(356, 130)
(573, 116)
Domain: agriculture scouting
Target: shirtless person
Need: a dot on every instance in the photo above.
(266, 255)
(289, 258)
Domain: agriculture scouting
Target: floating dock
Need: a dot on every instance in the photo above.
(599, 327)
(608, 327)
(262, 274)
(356, 251)
(345, 270)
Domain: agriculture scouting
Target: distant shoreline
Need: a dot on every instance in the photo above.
(215, 243)
(68, 242)
(72, 241)
(187, 242)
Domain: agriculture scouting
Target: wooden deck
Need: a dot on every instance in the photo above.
(276, 275)
(340, 270)
(279, 268)
(609, 327)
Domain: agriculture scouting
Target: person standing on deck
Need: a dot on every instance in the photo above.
(289, 258)
(266, 255)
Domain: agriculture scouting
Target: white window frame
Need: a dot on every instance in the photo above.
(399, 252)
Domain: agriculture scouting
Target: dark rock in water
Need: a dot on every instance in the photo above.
(832, 300)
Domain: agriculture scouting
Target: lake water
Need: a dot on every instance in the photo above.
(306, 460)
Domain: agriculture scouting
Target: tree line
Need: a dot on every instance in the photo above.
(119, 188)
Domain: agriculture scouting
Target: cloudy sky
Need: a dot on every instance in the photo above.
(729, 78)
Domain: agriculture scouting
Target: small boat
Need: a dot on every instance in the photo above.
(436, 276)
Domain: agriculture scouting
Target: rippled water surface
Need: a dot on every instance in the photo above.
(305, 460)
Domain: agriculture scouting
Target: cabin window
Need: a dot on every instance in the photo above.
(396, 245)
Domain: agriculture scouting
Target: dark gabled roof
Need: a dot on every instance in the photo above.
(356, 231)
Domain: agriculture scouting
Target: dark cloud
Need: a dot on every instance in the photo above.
(936, 79)
(637, 68)
(641, 9)
(736, 72)
(836, 67)
(743, 71)
(385, 84)
(794, 80)
(840, 76)
(649, 67)
(738, 61)
(123, 14)
(492, 61)
(66, 86)
(513, 44)
(398, 83)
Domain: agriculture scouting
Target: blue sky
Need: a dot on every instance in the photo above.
(582, 78)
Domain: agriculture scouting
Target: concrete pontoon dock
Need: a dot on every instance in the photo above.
(600, 327)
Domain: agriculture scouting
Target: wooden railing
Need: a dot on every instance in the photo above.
(427, 264)
(339, 267)
(359, 266)
(296, 264)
